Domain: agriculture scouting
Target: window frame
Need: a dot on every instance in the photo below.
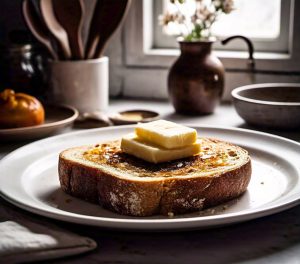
(138, 33)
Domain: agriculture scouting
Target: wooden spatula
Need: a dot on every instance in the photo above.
(55, 27)
(38, 27)
(69, 14)
(108, 15)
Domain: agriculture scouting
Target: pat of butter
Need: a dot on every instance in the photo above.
(166, 134)
(133, 145)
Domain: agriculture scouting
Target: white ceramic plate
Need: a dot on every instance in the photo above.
(29, 179)
(56, 117)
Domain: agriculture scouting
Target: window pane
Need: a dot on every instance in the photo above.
(265, 22)
(260, 19)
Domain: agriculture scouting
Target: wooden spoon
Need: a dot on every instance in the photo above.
(37, 27)
(107, 17)
(69, 14)
(55, 28)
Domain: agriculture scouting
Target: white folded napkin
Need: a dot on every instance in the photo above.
(31, 242)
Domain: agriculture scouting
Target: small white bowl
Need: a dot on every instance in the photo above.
(271, 105)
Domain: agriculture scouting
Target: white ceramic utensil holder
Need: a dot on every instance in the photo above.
(83, 84)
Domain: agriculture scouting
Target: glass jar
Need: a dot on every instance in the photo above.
(23, 68)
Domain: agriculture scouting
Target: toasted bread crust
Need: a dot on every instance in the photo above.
(137, 197)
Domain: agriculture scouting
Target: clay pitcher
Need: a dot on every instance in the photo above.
(196, 80)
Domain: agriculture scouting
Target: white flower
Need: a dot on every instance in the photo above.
(228, 6)
(168, 17)
(197, 23)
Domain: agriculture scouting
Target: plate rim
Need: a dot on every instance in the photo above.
(46, 125)
(216, 220)
(170, 224)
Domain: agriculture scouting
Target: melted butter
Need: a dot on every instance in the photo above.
(210, 159)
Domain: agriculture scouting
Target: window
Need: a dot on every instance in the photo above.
(277, 50)
(266, 23)
(148, 55)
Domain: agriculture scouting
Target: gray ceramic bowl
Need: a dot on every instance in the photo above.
(272, 105)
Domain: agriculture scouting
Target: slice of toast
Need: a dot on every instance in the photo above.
(127, 185)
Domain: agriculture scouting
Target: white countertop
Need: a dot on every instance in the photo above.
(272, 239)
